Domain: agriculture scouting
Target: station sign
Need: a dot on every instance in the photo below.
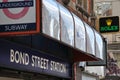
(109, 24)
(19, 17)
(21, 58)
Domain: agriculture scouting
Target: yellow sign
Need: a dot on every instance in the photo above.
(108, 21)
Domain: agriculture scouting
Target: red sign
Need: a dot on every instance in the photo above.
(19, 17)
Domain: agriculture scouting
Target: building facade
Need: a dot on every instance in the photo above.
(86, 9)
(64, 37)
(110, 10)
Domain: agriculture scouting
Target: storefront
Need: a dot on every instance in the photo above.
(63, 40)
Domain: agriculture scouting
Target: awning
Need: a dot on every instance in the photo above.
(82, 56)
(76, 54)
(71, 32)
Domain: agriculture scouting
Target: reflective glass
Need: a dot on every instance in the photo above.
(67, 26)
(90, 39)
(99, 45)
(80, 41)
(50, 19)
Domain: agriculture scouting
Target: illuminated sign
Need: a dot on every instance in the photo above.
(18, 57)
(19, 17)
(109, 24)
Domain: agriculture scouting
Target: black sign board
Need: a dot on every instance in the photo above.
(109, 24)
(18, 57)
(101, 62)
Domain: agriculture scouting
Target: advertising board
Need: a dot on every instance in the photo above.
(21, 58)
(109, 24)
(19, 17)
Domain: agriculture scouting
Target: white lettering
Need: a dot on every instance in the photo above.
(39, 62)
(56, 66)
(19, 57)
(16, 4)
(36, 61)
(11, 55)
(34, 58)
(26, 59)
(15, 27)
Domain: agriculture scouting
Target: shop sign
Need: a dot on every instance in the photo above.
(109, 24)
(19, 17)
(18, 57)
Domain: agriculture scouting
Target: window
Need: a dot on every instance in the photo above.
(83, 4)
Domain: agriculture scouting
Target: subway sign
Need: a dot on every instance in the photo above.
(18, 57)
(19, 17)
(109, 24)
